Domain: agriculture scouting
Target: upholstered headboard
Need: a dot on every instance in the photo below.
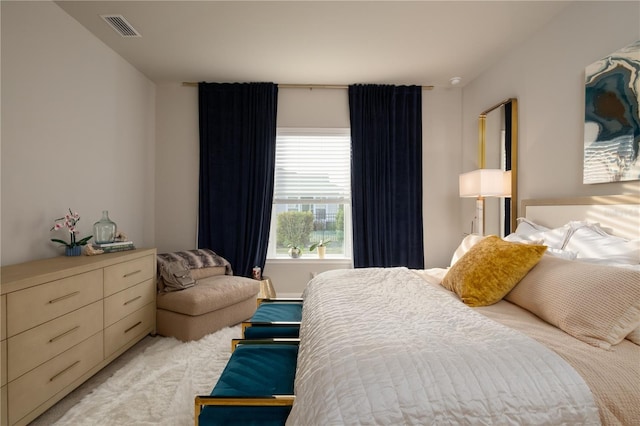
(619, 214)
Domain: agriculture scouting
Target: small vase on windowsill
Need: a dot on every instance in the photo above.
(295, 252)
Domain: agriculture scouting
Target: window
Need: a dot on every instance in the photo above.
(312, 192)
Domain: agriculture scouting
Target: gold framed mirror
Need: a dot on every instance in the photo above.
(498, 148)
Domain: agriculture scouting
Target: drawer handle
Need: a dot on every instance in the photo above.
(132, 300)
(64, 371)
(53, 339)
(132, 327)
(132, 273)
(66, 296)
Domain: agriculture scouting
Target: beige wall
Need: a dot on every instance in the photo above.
(177, 165)
(546, 74)
(77, 131)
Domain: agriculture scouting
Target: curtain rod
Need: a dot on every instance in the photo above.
(302, 86)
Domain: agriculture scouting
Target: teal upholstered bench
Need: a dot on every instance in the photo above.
(274, 318)
(255, 388)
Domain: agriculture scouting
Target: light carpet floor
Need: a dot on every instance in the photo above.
(156, 387)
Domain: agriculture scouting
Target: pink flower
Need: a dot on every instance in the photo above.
(69, 221)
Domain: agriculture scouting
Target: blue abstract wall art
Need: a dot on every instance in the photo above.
(612, 118)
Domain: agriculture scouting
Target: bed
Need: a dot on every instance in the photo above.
(560, 345)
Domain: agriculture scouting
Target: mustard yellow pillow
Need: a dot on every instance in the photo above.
(490, 269)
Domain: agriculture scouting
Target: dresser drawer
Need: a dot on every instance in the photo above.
(41, 383)
(128, 329)
(36, 305)
(3, 362)
(33, 347)
(126, 274)
(125, 302)
(4, 420)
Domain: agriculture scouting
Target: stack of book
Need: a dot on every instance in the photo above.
(115, 246)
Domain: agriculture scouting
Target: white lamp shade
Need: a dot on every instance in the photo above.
(485, 183)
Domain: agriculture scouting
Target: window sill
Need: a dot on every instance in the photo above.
(304, 259)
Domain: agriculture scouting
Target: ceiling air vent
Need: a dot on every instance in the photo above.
(121, 25)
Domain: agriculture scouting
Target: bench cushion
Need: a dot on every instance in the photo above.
(271, 331)
(209, 294)
(254, 370)
(275, 312)
(258, 370)
(278, 311)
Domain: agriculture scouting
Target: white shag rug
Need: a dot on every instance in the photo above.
(158, 386)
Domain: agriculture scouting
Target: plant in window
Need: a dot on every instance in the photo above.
(321, 243)
(322, 247)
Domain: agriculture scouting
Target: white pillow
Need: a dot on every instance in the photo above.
(517, 238)
(590, 241)
(554, 238)
(467, 242)
(526, 227)
(531, 231)
(564, 254)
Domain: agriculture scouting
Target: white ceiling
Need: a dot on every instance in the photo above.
(316, 42)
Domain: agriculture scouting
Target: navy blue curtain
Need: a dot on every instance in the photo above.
(386, 175)
(237, 162)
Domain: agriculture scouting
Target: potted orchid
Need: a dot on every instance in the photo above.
(69, 221)
(321, 246)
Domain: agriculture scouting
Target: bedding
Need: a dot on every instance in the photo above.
(613, 376)
(390, 346)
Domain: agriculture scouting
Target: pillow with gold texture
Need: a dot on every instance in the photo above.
(598, 304)
(490, 269)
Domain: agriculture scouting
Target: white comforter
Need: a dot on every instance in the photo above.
(381, 346)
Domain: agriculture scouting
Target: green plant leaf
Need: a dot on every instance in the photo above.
(56, 240)
(84, 240)
(321, 243)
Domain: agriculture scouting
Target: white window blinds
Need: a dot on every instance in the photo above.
(313, 164)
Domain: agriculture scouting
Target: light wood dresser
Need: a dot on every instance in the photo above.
(65, 318)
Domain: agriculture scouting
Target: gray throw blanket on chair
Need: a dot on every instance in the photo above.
(195, 259)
